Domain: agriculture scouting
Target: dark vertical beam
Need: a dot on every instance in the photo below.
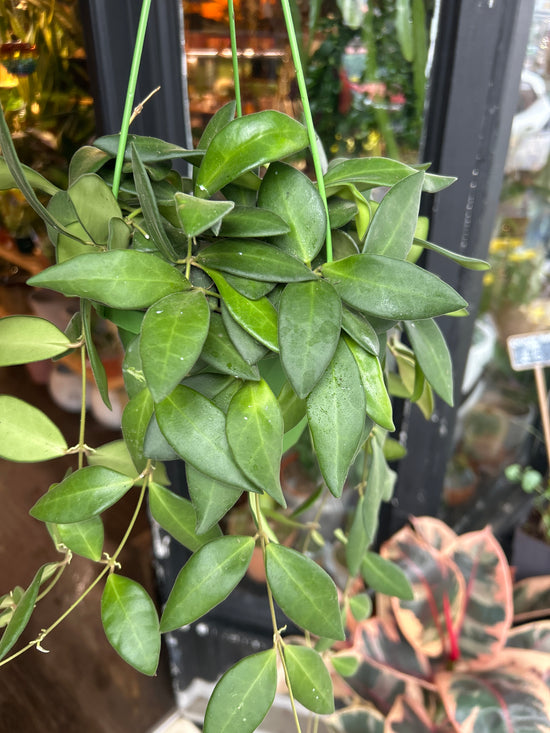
(473, 94)
(110, 29)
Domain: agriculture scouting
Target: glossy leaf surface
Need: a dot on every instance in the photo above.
(360, 330)
(197, 215)
(389, 288)
(255, 260)
(121, 279)
(378, 403)
(291, 194)
(310, 316)
(131, 623)
(211, 499)
(220, 352)
(98, 370)
(254, 432)
(95, 205)
(244, 695)
(432, 355)
(385, 577)
(309, 679)
(22, 614)
(136, 417)
(177, 516)
(195, 428)
(336, 416)
(27, 338)
(252, 221)
(83, 494)
(27, 434)
(83, 538)
(246, 143)
(304, 591)
(206, 579)
(172, 336)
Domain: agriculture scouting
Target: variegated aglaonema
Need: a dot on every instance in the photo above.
(460, 656)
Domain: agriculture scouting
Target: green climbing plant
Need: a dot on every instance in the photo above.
(254, 306)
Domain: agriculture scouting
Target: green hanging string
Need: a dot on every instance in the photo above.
(130, 93)
(295, 51)
(234, 57)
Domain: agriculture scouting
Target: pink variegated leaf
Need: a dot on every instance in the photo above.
(408, 716)
(364, 719)
(532, 598)
(531, 644)
(436, 533)
(430, 620)
(487, 610)
(506, 698)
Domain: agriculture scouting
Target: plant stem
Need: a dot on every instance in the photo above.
(234, 57)
(82, 428)
(300, 78)
(128, 107)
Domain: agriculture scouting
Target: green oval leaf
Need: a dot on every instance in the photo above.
(432, 355)
(98, 370)
(378, 402)
(33, 178)
(384, 576)
(151, 149)
(310, 316)
(336, 416)
(219, 120)
(360, 606)
(83, 538)
(246, 143)
(309, 679)
(390, 288)
(394, 222)
(22, 614)
(135, 421)
(360, 330)
(207, 578)
(220, 352)
(244, 695)
(195, 428)
(27, 338)
(130, 621)
(211, 499)
(27, 435)
(172, 336)
(118, 278)
(247, 346)
(257, 317)
(177, 516)
(254, 260)
(252, 221)
(291, 194)
(83, 494)
(197, 215)
(254, 431)
(369, 172)
(95, 206)
(304, 591)
(470, 263)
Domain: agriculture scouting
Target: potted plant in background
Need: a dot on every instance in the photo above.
(243, 276)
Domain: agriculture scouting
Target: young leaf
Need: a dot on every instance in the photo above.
(27, 435)
(393, 225)
(384, 576)
(197, 215)
(254, 260)
(172, 336)
(378, 403)
(130, 621)
(206, 579)
(87, 159)
(219, 352)
(22, 614)
(360, 606)
(151, 150)
(309, 679)
(211, 499)
(390, 288)
(432, 356)
(98, 370)
(244, 695)
(251, 289)
(310, 317)
(291, 194)
(195, 428)
(176, 515)
(304, 591)
(33, 178)
(252, 221)
(360, 330)
(257, 317)
(83, 538)
(336, 416)
(247, 346)
(246, 143)
(358, 539)
(83, 494)
(119, 278)
(135, 419)
(95, 206)
(27, 338)
(470, 263)
(369, 172)
(254, 432)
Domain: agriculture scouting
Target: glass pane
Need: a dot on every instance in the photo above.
(499, 420)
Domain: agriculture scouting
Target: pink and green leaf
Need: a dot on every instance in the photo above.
(353, 719)
(532, 598)
(408, 716)
(507, 698)
(430, 621)
(487, 610)
(436, 533)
